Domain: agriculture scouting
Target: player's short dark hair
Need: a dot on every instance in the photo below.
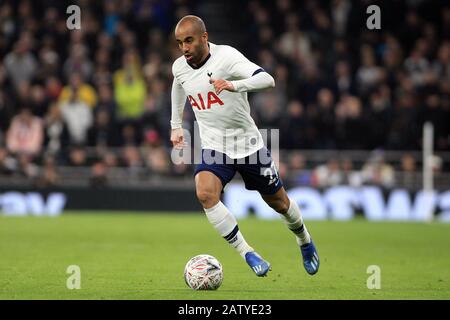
(197, 22)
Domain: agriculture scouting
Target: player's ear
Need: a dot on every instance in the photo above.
(205, 36)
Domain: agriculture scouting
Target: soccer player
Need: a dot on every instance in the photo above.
(216, 79)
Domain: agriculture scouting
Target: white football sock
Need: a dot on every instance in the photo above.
(294, 221)
(225, 223)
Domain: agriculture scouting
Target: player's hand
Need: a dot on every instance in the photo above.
(220, 85)
(177, 138)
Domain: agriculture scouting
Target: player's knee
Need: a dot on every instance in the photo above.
(207, 198)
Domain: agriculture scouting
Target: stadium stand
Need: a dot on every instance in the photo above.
(92, 106)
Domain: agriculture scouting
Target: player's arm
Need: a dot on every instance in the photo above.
(178, 101)
(260, 80)
(251, 77)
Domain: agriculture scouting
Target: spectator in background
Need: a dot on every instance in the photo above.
(102, 75)
(294, 44)
(129, 89)
(48, 176)
(152, 67)
(351, 128)
(441, 65)
(20, 64)
(155, 155)
(103, 133)
(99, 175)
(78, 62)
(130, 135)
(445, 104)
(56, 133)
(404, 132)
(410, 29)
(436, 163)
(379, 116)
(150, 119)
(298, 175)
(377, 172)
(157, 161)
(27, 167)
(53, 88)
(311, 83)
(160, 93)
(110, 159)
(368, 74)
(7, 22)
(80, 90)
(6, 104)
(445, 18)
(321, 33)
(340, 11)
(131, 160)
(8, 164)
(283, 88)
(268, 113)
(49, 61)
(327, 175)
(23, 92)
(391, 58)
(324, 120)
(267, 60)
(111, 17)
(106, 101)
(282, 170)
(38, 101)
(104, 59)
(25, 134)
(408, 167)
(350, 176)
(344, 81)
(78, 116)
(78, 156)
(180, 170)
(433, 113)
(295, 128)
(417, 66)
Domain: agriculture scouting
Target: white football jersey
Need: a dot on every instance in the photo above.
(224, 120)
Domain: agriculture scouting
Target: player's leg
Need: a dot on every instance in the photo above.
(263, 177)
(291, 215)
(208, 189)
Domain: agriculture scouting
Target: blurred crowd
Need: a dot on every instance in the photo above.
(104, 87)
(341, 85)
(342, 170)
(99, 97)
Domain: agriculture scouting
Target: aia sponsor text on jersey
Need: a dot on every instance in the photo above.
(199, 101)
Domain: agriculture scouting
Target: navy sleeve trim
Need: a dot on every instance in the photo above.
(258, 71)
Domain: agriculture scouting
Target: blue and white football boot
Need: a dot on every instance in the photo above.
(258, 264)
(311, 260)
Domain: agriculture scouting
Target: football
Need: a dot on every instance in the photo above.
(203, 272)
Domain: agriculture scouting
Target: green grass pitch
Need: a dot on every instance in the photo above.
(142, 256)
